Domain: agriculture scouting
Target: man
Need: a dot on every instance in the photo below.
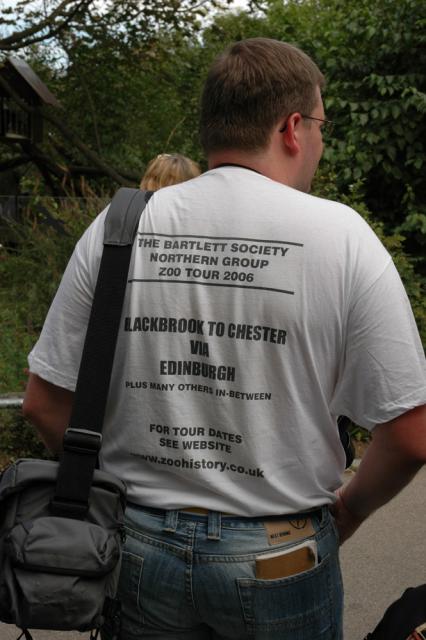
(255, 315)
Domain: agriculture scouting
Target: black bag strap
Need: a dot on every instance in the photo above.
(83, 438)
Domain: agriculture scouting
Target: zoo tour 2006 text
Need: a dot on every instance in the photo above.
(226, 262)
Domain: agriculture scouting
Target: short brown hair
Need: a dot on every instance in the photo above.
(167, 169)
(249, 87)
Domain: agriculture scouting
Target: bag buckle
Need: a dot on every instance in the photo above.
(81, 448)
(82, 440)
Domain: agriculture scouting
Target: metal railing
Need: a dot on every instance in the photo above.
(14, 400)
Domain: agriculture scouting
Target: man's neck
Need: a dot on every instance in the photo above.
(238, 158)
(262, 162)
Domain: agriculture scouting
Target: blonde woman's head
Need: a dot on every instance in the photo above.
(167, 169)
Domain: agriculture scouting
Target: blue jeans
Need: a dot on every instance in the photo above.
(192, 577)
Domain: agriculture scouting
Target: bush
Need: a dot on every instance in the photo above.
(32, 261)
(18, 439)
(325, 186)
(31, 265)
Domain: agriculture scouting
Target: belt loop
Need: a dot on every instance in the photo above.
(325, 515)
(170, 521)
(214, 523)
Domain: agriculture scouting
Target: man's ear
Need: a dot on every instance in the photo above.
(291, 133)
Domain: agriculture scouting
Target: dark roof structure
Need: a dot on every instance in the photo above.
(26, 83)
(18, 124)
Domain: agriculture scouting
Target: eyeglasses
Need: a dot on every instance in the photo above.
(327, 128)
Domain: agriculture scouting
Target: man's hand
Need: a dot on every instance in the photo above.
(346, 522)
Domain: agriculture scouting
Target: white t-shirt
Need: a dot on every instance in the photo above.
(254, 316)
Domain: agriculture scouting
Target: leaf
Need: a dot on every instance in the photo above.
(396, 111)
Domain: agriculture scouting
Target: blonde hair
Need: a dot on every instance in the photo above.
(167, 169)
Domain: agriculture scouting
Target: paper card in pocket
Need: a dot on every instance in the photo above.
(288, 562)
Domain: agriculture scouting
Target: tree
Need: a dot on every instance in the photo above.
(376, 93)
(92, 55)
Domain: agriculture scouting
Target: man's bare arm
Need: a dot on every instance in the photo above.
(395, 455)
(48, 407)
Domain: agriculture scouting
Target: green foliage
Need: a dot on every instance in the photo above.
(359, 434)
(326, 186)
(376, 94)
(122, 75)
(31, 266)
(18, 439)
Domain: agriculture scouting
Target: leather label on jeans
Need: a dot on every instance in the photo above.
(279, 531)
